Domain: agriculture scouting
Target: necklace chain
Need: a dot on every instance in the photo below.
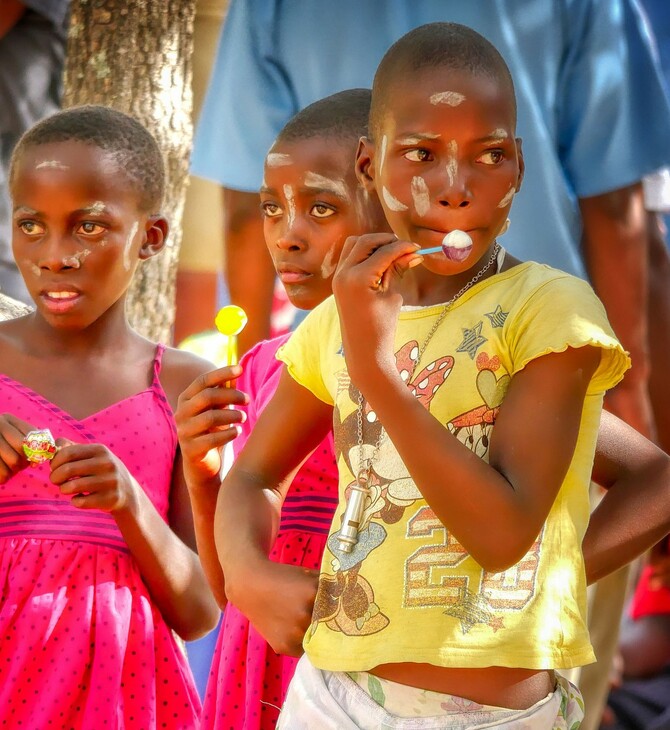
(365, 465)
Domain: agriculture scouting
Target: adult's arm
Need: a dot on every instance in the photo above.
(616, 252)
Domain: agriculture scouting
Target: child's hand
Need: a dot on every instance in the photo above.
(278, 601)
(206, 420)
(12, 458)
(366, 290)
(94, 476)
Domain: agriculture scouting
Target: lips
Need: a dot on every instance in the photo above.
(292, 274)
(59, 299)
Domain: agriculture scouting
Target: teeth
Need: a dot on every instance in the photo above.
(61, 294)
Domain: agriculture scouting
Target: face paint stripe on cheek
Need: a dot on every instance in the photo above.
(420, 195)
(393, 203)
(508, 197)
(128, 246)
(329, 264)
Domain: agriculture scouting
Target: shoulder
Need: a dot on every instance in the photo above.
(179, 369)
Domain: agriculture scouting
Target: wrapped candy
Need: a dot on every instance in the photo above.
(39, 446)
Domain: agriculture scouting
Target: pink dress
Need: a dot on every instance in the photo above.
(81, 643)
(248, 681)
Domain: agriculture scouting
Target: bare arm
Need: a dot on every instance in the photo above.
(205, 424)
(276, 598)
(250, 275)
(635, 512)
(536, 429)
(615, 246)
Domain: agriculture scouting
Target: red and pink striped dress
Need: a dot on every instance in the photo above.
(248, 681)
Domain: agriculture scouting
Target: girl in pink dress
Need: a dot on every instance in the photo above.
(97, 572)
(311, 202)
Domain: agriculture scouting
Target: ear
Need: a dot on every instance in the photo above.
(365, 171)
(155, 236)
(522, 164)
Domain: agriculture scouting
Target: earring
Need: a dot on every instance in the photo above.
(505, 227)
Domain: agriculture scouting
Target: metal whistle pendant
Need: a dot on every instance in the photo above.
(348, 534)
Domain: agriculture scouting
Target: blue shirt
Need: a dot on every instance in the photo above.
(592, 113)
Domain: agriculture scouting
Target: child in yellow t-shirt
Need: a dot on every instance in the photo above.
(466, 388)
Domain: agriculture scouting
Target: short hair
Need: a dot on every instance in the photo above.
(436, 45)
(342, 116)
(127, 141)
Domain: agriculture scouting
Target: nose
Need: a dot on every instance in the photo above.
(56, 256)
(292, 235)
(455, 191)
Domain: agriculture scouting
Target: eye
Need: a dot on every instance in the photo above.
(320, 210)
(89, 228)
(31, 228)
(492, 157)
(270, 210)
(418, 155)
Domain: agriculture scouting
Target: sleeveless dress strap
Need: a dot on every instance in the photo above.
(158, 361)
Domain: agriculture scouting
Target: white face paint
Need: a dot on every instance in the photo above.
(128, 246)
(420, 195)
(418, 139)
(33, 267)
(508, 197)
(362, 202)
(290, 204)
(96, 208)
(329, 264)
(450, 98)
(277, 159)
(391, 202)
(319, 182)
(382, 154)
(499, 134)
(452, 162)
(75, 260)
(56, 164)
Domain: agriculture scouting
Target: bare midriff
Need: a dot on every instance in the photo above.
(516, 689)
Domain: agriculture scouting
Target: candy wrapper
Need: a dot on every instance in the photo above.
(39, 446)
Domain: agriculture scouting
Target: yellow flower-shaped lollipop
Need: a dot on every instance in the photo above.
(230, 321)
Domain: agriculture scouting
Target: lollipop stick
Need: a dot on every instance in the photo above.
(433, 249)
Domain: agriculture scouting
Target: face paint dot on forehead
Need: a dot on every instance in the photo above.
(450, 98)
(55, 164)
(499, 133)
(320, 182)
(393, 203)
(278, 159)
(95, 208)
(420, 195)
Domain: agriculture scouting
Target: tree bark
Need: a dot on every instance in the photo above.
(136, 57)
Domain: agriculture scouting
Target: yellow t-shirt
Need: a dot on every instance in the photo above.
(409, 591)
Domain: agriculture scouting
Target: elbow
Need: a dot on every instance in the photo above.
(199, 622)
(501, 554)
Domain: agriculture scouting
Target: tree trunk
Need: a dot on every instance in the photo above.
(136, 57)
(10, 308)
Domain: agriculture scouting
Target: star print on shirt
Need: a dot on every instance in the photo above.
(472, 340)
(498, 317)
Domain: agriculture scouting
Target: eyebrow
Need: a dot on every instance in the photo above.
(25, 209)
(416, 137)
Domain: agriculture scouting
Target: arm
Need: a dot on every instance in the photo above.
(615, 247)
(634, 514)
(250, 274)
(205, 423)
(276, 598)
(97, 479)
(533, 441)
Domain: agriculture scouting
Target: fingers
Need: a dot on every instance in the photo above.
(12, 457)
(217, 379)
(375, 259)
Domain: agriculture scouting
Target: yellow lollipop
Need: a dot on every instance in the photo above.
(230, 321)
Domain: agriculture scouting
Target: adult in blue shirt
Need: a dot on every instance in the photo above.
(592, 114)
